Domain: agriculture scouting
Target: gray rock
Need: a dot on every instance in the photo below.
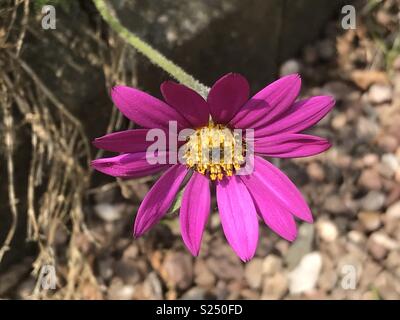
(305, 276)
(373, 201)
(289, 67)
(194, 293)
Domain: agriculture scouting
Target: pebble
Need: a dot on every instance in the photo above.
(120, 291)
(177, 270)
(370, 179)
(274, 287)
(289, 67)
(271, 265)
(253, 273)
(389, 165)
(194, 293)
(370, 220)
(109, 212)
(327, 230)
(335, 204)
(339, 121)
(373, 201)
(203, 276)
(379, 93)
(304, 277)
(316, 171)
(393, 211)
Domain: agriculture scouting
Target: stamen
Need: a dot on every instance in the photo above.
(215, 151)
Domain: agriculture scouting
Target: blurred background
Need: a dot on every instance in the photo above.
(57, 215)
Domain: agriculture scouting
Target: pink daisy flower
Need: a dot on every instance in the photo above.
(278, 122)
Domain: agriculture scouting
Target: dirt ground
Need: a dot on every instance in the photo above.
(81, 221)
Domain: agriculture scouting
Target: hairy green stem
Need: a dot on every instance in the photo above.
(154, 56)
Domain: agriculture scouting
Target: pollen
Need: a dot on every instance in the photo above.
(215, 151)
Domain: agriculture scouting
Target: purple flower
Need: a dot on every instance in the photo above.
(277, 121)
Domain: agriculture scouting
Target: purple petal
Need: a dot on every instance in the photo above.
(227, 96)
(271, 179)
(276, 216)
(124, 141)
(238, 216)
(194, 211)
(269, 103)
(144, 109)
(291, 145)
(159, 199)
(187, 102)
(302, 115)
(128, 165)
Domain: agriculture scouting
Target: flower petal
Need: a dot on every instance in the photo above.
(269, 103)
(268, 177)
(276, 216)
(144, 109)
(194, 211)
(159, 199)
(238, 216)
(125, 141)
(302, 115)
(128, 165)
(187, 102)
(291, 145)
(227, 96)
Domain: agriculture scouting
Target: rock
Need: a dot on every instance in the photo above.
(373, 201)
(120, 291)
(304, 277)
(339, 121)
(127, 271)
(289, 67)
(253, 273)
(393, 212)
(152, 288)
(194, 293)
(224, 263)
(388, 143)
(202, 275)
(389, 165)
(335, 204)
(271, 265)
(370, 220)
(301, 246)
(131, 252)
(366, 128)
(327, 230)
(105, 267)
(379, 93)
(328, 279)
(177, 270)
(356, 237)
(370, 159)
(274, 287)
(385, 241)
(109, 212)
(370, 179)
(316, 171)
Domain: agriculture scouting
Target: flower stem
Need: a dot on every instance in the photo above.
(152, 54)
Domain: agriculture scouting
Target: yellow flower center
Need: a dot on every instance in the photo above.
(215, 151)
